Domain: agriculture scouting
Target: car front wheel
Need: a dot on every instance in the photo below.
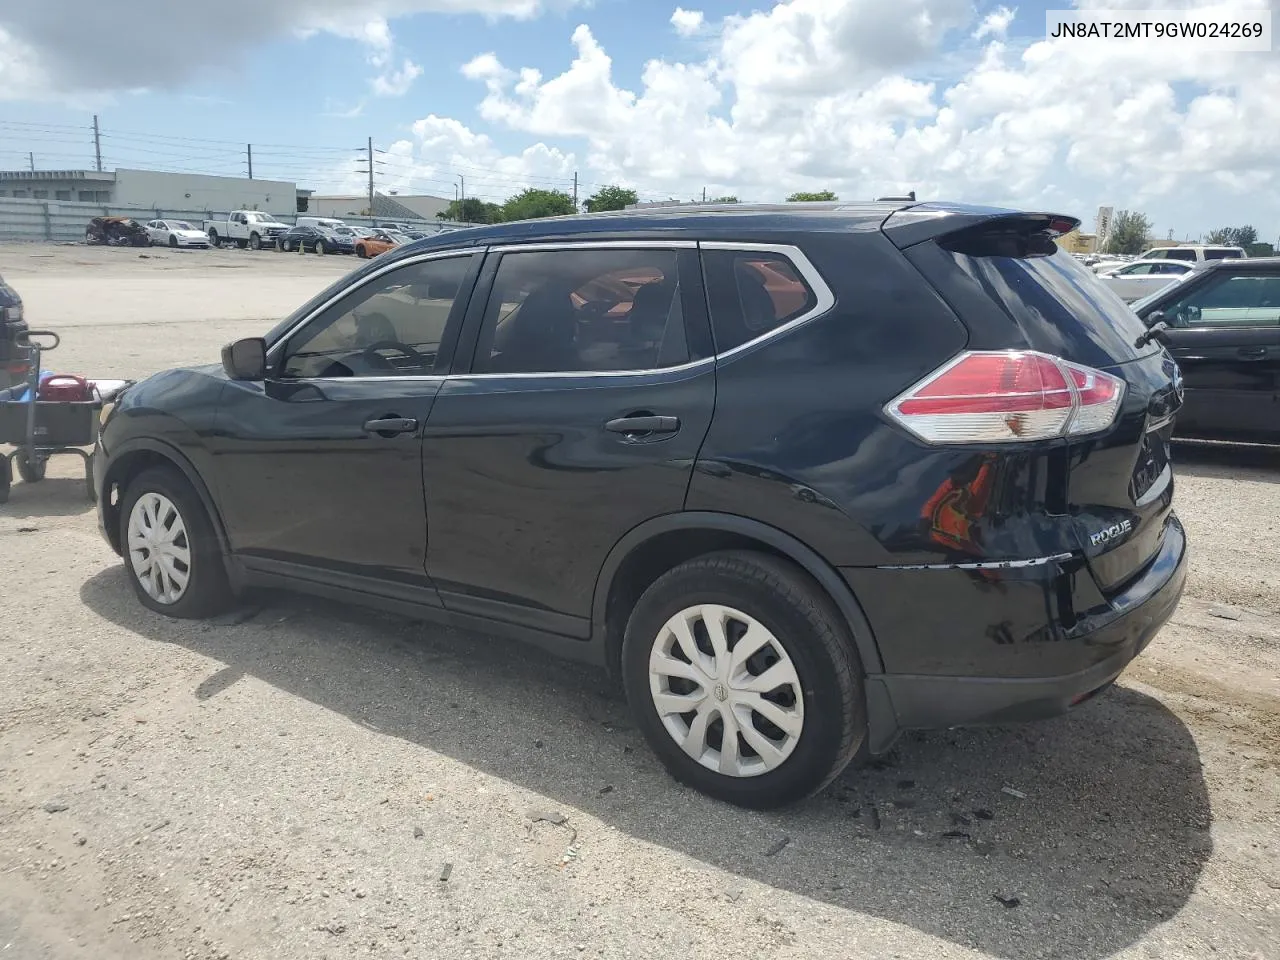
(743, 677)
(170, 549)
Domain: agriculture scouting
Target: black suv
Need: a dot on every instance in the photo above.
(802, 478)
(1221, 322)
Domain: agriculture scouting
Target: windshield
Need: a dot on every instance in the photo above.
(180, 225)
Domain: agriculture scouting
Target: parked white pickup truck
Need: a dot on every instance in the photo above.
(245, 228)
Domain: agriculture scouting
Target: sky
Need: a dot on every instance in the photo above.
(955, 99)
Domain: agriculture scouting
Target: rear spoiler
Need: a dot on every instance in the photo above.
(930, 221)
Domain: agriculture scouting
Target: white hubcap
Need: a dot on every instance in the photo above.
(158, 549)
(726, 690)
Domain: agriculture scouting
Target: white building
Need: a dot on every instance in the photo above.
(151, 190)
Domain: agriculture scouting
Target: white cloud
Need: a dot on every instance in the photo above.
(54, 48)
(846, 94)
(396, 83)
(995, 24)
(686, 22)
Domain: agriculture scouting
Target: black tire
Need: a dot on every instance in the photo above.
(173, 241)
(90, 489)
(810, 629)
(214, 240)
(6, 478)
(255, 241)
(208, 591)
(362, 253)
(242, 244)
(29, 471)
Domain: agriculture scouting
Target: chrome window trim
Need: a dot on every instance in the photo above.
(278, 346)
(533, 246)
(981, 564)
(825, 300)
(808, 272)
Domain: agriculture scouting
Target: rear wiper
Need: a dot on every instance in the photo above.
(1151, 333)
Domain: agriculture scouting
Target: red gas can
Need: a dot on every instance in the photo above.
(65, 387)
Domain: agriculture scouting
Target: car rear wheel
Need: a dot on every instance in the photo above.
(742, 676)
(170, 549)
(362, 253)
(214, 239)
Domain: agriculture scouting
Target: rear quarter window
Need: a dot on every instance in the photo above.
(752, 293)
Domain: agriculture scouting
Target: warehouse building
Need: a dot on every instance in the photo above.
(155, 190)
(394, 206)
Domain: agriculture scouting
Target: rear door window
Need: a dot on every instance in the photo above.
(1222, 254)
(752, 293)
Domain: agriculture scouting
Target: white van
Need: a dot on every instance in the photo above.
(324, 223)
(1195, 253)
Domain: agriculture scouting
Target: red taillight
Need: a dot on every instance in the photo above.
(996, 397)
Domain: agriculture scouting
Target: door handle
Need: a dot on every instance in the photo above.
(1252, 353)
(391, 426)
(642, 424)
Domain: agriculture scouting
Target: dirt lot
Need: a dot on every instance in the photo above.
(290, 781)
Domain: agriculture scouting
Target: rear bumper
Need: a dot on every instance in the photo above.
(1134, 618)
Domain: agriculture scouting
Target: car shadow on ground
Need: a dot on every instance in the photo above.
(1100, 837)
(1227, 461)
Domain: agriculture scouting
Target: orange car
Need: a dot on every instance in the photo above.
(379, 242)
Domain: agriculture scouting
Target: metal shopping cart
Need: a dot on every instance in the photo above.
(50, 414)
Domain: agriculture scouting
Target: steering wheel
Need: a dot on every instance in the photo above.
(376, 359)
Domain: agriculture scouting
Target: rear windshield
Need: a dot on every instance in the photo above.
(1222, 254)
(1059, 303)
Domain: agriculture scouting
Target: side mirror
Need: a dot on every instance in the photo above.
(1154, 317)
(245, 359)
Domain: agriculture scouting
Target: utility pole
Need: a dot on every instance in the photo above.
(462, 190)
(704, 194)
(371, 176)
(575, 190)
(97, 145)
(249, 148)
(32, 157)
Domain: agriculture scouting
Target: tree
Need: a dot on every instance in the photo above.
(803, 197)
(1260, 250)
(1244, 236)
(611, 198)
(728, 199)
(471, 210)
(532, 203)
(1128, 234)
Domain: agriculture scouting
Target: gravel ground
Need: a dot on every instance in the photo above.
(305, 780)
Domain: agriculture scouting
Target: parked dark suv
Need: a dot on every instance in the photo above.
(1221, 323)
(14, 364)
(801, 477)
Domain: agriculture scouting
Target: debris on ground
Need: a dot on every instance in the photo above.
(55, 806)
(875, 817)
(778, 847)
(1013, 792)
(955, 835)
(1008, 902)
(550, 816)
(445, 871)
(733, 894)
(1223, 612)
(418, 833)
(607, 788)
(984, 814)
